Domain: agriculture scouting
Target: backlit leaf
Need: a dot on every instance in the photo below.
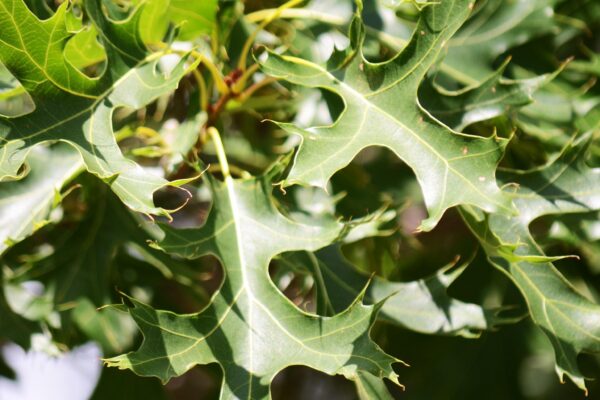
(74, 108)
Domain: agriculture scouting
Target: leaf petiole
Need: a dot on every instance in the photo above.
(296, 13)
(213, 70)
(216, 138)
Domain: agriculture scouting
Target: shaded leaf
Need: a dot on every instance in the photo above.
(249, 327)
(590, 66)
(567, 185)
(369, 387)
(113, 330)
(25, 205)
(495, 96)
(495, 27)
(422, 306)
(81, 269)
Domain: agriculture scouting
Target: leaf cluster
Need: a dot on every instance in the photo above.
(275, 184)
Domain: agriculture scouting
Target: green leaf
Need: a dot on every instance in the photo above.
(555, 114)
(249, 327)
(74, 108)
(154, 21)
(193, 18)
(80, 265)
(83, 259)
(14, 100)
(114, 330)
(86, 85)
(83, 49)
(422, 306)
(41, 8)
(25, 205)
(495, 96)
(81, 269)
(567, 185)
(495, 27)
(381, 108)
(591, 66)
(370, 387)
(581, 231)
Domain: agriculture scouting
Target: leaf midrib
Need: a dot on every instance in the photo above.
(229, 184)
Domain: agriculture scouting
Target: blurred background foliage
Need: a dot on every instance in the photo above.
(514, 361)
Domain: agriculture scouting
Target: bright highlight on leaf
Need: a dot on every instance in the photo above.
(74, 108)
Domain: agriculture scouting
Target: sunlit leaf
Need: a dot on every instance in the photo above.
(74, 108)
(381, 108)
